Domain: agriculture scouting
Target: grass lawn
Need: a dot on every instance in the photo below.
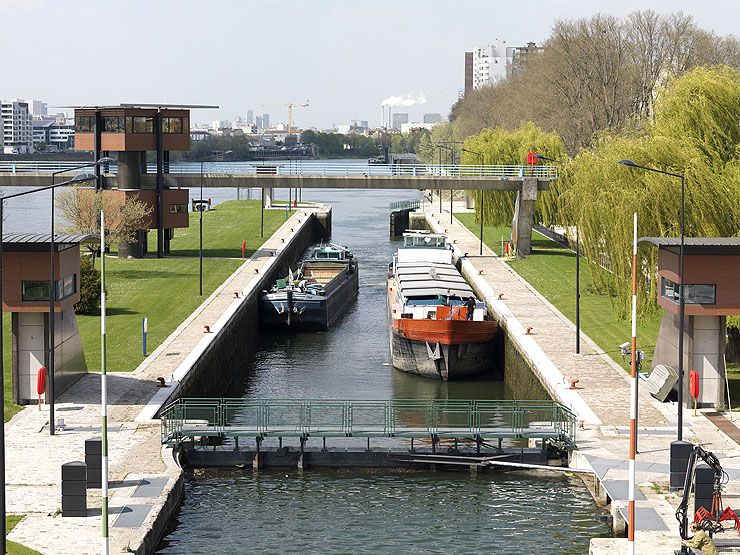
(733, 375)
(551, 270)
(15, 548)
(165, 290)
(224, 228)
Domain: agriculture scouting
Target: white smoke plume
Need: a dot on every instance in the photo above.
(405, 100)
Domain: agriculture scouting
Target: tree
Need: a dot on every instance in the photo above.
(123, 216)
(89, 287)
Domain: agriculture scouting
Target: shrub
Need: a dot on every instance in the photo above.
(89, 286)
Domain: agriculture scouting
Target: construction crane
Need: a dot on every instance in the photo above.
(290, 106)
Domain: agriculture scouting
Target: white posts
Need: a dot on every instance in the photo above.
(633, 401)
(103, 391)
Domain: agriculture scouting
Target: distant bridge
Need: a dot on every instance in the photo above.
(527, 181)
(302, 174)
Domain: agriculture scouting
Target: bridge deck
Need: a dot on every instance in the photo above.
(461, 419)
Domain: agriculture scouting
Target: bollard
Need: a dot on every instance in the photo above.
(74, 492)
(244, 248)
(144, 322)
(94, 462)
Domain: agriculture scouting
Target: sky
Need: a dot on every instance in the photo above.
(343, 56)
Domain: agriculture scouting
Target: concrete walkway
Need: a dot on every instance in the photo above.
(145, 482)
(602, 401)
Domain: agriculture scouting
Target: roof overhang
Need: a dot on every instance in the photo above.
(696, 245)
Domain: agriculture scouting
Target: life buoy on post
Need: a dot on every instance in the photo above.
(694, 387)
(41, 383)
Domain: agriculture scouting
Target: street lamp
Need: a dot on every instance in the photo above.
(480, 196)
(452, 156)
(52, 288)
(681, 301)
(578, 271)
(200, 220)
(77, 179)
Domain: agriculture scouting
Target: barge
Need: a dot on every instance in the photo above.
(438, 328)
(322, 289)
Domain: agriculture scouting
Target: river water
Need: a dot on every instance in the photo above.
(322, 511)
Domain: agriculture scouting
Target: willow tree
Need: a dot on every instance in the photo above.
(695, 131)
(499, 146)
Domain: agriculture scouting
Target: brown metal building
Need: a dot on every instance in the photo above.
(712, 292)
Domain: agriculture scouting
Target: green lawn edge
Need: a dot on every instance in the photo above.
(11, 521)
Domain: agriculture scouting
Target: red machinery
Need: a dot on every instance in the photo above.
(710, 521)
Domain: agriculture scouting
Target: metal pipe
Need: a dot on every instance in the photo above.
(200, 234)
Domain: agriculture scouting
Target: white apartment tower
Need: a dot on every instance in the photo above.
(491, 63)
(17, 128)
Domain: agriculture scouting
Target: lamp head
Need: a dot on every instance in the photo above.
(104, 160)
(541, 157)
(628, 163)
(227, 152)
(82, 177)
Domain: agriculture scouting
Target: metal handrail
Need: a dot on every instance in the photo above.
(367, 418)
(312, 168)
(404, 205)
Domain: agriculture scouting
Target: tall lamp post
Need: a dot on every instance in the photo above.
(578, 270)
(200, 220)
(682, 295)
(452, 156)
(480, 196)
(53, 291)
(76, 180)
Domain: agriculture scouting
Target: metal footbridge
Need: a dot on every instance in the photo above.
(302, 174)
(433, 419)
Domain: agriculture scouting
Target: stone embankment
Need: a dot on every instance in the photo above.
(146, 484)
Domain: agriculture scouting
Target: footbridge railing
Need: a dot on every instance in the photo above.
(311, 168)
(304, 418)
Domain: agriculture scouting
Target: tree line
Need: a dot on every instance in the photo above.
(652, 88)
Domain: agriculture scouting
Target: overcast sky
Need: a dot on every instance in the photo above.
(345, 56)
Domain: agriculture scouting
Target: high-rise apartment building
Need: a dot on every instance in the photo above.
(468, 72)
(487, 65)
(16, 125)
(37, 108)
(399, 119)
(250, 117)
(258, 122)
(266, 121)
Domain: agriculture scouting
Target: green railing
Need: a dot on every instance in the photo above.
(404, 205)
(188, 418)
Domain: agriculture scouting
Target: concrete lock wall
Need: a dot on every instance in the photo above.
(30, 352)
(214, 371)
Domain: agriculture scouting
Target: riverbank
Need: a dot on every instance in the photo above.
(146, 485)
(601, 400)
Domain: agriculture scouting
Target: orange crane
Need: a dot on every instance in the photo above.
(290, 106)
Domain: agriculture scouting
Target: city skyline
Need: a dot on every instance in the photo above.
(327, 52)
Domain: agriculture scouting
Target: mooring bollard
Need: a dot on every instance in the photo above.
(74, 489)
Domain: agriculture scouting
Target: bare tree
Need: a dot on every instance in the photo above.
(123, 216)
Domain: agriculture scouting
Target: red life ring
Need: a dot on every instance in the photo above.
(694, 384)
(41, 381)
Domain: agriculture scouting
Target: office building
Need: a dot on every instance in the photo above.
(250, 117)
(50, 135)
(432, 118)
(266, 121)
(16, 124)
(399, 119)
(258, 122)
